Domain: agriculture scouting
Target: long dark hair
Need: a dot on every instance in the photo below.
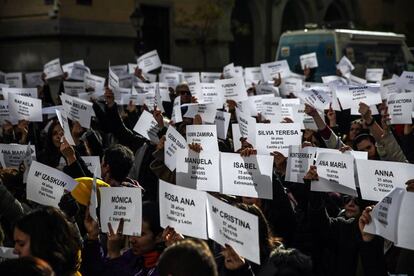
(53, 239)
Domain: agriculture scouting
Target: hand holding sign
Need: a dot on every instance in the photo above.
(116, 241)
(232, 260)
(170, 236)
(365, 219)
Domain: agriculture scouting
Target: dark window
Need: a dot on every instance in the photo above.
(84, 2)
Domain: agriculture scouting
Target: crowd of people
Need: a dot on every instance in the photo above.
(301, 232)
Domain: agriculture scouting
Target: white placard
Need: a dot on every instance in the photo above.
(173, 142)
(46, 185)
(271, 106)
(354, 80)
(232, 89)
(205, 135)
(172, 79)
(121, 203)
(400, 107)
(73, 88)
(34, 79)
(198, 171)
(336, 173)
(236, 135)
(27, 92)
(212, 95)
(230, 225)
(228, 71)
(190, 77)
(309, 61)
(52, 69)
(113, 80)
(222, 121)
(93, 163)
(252, 75)
(389, 87)
(273, 69)
(345, 67)
(406, 81)
(277, 137)
(209, 77)
(290, 86)
(8, 253)
(4, 112)
(93, 201)
(147, 126)
(94, 82)
(77, 110)
(163, 90)
(267, 89)
(377, 178)
(12, 155)
(119, 70)
(316, 98)
(14, 80)
(25, 108)
(68, 67)
(206, 111)
(351, 96)
(183, 209)
(374, 74)
(247, 176)
(299, 161)
(166, 68)
(177, 116)
(149, 61)
(64, 123)
(247, 126)
(78, 72)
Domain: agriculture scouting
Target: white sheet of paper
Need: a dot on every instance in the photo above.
(252, 75)
(267, 89)
(7, 253)
(273, 69)
(77, 110)
(229, 71)
(377, 178)
(46, 185)
(147, 126)
(93, 201)
(351, 96)
(345, 66)
(25, 108)
(316, 98)
(73, 88)
(12, 155)
(4, 113)
(405, 222)
(198, 171)
(52, 69)
(173, 142)
(212, 95)
(206, 135)
(14, 80)
(335, 170)
(93, 163)
(389, 87)
(183, 209)
(113, 80)
(247, 126)
(247, 176)
(277, 137)
(190, 77)
(308, 60)
(232, 89)
(400, 108)
(64, 123)
(119, 70)
(149, 61)
(167, 68)
(209, 77)
(236, 134)
(34, 79)
(354, 80)
(406, 81)
(121, 202)
(374, 74)
(172, 79)
(222, 121)
(27, 92)
(68, 67)
(230, 225)
(299, 161)
(206, 111)
(177, 116)
(94, 82)
(290, 86)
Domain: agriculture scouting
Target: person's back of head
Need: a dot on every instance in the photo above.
(120, 160)
(287, 262)
(26, 266)
(187, 258)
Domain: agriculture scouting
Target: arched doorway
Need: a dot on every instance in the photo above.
(293, 16)
(336, 16)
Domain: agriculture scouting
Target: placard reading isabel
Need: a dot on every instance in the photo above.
(277, 137)
(377, 178)
(184, 209)
(77, 110)
(121, 202)
(13, 154)
(230, 225)
(247, 176)
(198, 170)
(336, 173)
(46, 185)
(147, 126)
(25, 108)
(206, 135)
(149, 61)
(232, 89)
(298, 162)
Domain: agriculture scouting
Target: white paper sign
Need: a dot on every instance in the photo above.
(94, 82)
(205, 135)
(316, 98)
(77, 110)
(236, 135)
(247, 176)
(351, 96)
(252, 75)
(230, 225)
(172, 79)
(166, 68)
(273, 69)
(308, 61)
(34, 79)
(400, 107)
(64, 123)
(406, 81)
(211, 94)
(377, 178)
(8, 253)
(290, 86)
(149, 61)
(27, 92)
(198, 171)
(46, 185)
(173, 142)
(73, 88)
(183, 209)
(4, 112)
(336, 173)
(277, 137)
(389, 87)
(25, 108)
(12, 155)
(345, 66)
(52, 69)
(93, 163)
(190, 77)
(299, 161)
(147, 126)
(207, 112)
(14, 80)
(209, 77)
(232, 89)
(374, 74)
(121, 203)
(222, 121)
(247, 126)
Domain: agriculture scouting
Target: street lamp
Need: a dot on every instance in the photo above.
(137, 21)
